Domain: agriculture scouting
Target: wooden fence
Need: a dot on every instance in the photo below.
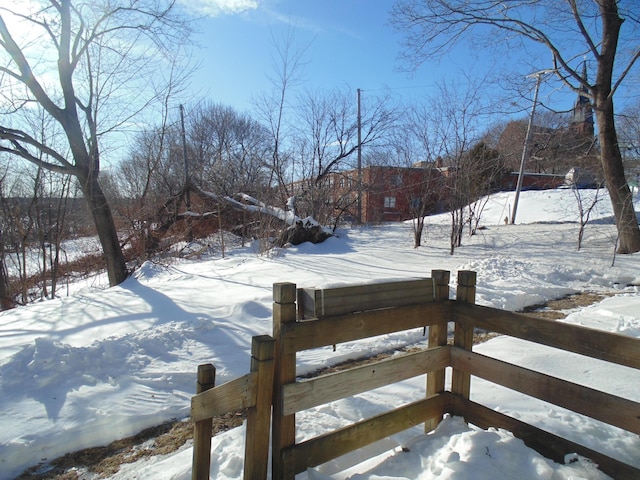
(311, 318)
(252, 392)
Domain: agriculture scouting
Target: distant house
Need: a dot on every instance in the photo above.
(395, 194)
(391, 194)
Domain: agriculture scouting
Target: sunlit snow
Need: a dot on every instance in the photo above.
(102, 364)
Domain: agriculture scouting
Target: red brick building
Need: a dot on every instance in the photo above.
(391, 194)
(395, 194)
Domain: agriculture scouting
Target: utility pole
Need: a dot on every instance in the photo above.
(359, 162)
(525, 151)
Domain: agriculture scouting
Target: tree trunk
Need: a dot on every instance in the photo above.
(418, 228)
(106, 229)
(621, 198)
(5, 294)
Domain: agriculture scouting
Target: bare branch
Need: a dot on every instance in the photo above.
(17, 138)
(26, 75)
(624, 74)
(97, 63)
(432, 27)
(583, 30)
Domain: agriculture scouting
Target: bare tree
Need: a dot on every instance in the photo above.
(455, 113)
(56, 196)
(487, 167)
(6, 296)
(413, 149)
(6, 301)
(586, 204)
(288, 67)
(34, 204)
(92, 79)
(554, 147)
(571, 31)
(327, 141)
(629, 128)
(18, 202)
(227, 150)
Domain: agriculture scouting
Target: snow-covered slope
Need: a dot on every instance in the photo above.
(105, 363)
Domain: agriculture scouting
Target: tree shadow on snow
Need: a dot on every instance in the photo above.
(55, 368)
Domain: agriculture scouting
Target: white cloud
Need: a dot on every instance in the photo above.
(221, 7)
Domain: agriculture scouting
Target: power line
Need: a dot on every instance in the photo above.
(408, 87)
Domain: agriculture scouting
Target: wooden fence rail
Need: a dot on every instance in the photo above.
(606, 407)
(607, 346)
(324, 317)
(316, 391)
(312, 318)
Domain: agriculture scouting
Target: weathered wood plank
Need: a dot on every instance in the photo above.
(201, 459)
(463, 332)
(327, 388)
(323, 448)
(309, 334)
(617, 411)
(461, 380)
(437, 337)
(611, 347)
(228, 397)
(283, 431)
(256, 452)
(322, 302)
(547, 444)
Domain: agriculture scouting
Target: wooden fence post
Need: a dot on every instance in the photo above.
(256, 454)
(437, 337)
(463, 333)
(202, 428)
(284, 426)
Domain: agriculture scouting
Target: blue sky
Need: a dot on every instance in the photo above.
(351, 44)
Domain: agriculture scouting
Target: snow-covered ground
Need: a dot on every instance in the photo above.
(103, 364)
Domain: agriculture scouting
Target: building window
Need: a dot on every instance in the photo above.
(396, 180)
(389, 202)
